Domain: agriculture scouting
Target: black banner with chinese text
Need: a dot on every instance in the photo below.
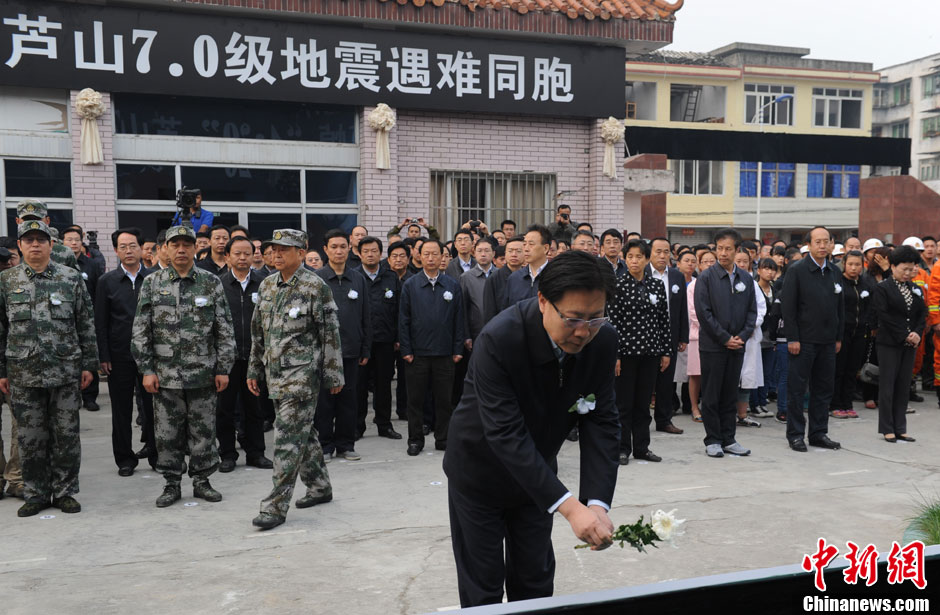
(58, 45)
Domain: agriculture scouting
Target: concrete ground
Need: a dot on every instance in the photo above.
(382, 546)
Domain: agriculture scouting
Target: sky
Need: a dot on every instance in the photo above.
(883, 33)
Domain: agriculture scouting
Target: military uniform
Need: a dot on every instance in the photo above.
(31, 209)
(47, 338)
(295, 348)
(183, 334)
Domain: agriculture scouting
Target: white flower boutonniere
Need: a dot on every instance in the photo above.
(863, 294)
(838, 288)
(55, 299)
(584, 404)
(740, 287)
(84, 276)
(918, 292)
(448, 296)
(254, 297)
(675, 289)
(202, 301)
(293, 312)
(388, 293)
(654, 299)
(352, 294)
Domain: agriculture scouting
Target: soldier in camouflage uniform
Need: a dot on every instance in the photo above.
(47, 354)
(31, 209)
(295, 348)
(184, 345)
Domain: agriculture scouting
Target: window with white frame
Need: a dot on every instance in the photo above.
(901, 130)
(459, 196)
(930, 170)
(702, 177)
(901, 93)
(760, 97)
(930, 85)
(837, 108)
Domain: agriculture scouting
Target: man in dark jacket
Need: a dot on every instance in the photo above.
(335, 417)
(431, 334)
(533, 368)
(240, 283)
(116, 304)
(813, 321)
(523, 284)
(384, 291)
(726, 307)
(73, 238)
(674, 281)
(494, 291)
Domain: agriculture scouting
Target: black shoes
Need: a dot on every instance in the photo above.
(669, 428)
(145, 452)
(389, 433)
(649, 456)
(312, 500)
(261, 462)
(92, 406)
(266, 521)
(440, 445)
(798, 445)
(268, 426)
(67, 504)
(427, 430)
(572, 435)
(414, 450)
(226, 466)
(171, 493)
(204, 491)
(824, 442)
(125, 471)
(624, 459)
(31, 508)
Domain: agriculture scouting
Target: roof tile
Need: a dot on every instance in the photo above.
(644, 10)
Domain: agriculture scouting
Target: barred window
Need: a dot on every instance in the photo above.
(459, 196)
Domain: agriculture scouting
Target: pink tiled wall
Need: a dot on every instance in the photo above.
(93, 185)
(422, 141)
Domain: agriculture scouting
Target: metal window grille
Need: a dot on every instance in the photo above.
(459, 196)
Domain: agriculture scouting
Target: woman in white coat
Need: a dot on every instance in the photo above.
(752, 371)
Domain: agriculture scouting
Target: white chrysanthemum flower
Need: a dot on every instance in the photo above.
(352, 294)
(293, 312)
(667, 527)
(448, 296)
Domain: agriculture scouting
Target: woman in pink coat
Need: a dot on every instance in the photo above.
(694, 367)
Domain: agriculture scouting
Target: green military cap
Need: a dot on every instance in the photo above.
(287, 237)
(54, 232)
(176, 232)
(33, 225)
(31, 209)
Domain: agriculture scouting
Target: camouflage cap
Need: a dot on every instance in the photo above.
(287, 237)
(54, 232)
(33, 225)
(184, 232)
(31, 209)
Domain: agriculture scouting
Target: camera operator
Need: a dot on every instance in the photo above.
(563, 227)
(189, 203)
(413, 227)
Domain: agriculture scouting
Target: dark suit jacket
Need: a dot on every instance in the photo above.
(895, 320)
(678, 307)
(455, 269)
(722, 312)
(513, 417)
(813, 303)
(494, 293)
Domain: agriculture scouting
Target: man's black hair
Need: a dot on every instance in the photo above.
(370, 239)
(403, 244)
(219, 227)
(239, 227)
(584, 234)
(904, 254)
(464, 231)
(632, 233)
(438, 242)
(644, 247)
(587, 224)
(231, 242)
(515, 238)
(729, 233)
(493, 243)
(74, 229)
(333, 234)
(202, 234)
(655, 239)
(563, 206)
(541, 230)
(130, 230)
(611, 232)
(809, 233)
(790, 253)
(576, 270)
(926, 238)
(781, 250)
(161, 238)
(747, 244)
(505, 222)
(362, 227)
(500, 252)
(562, 240)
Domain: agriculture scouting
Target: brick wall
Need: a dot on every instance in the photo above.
(422, 141)
(892, 208)
(93, 185)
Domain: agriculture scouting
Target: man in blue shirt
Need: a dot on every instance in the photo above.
(201, 218)
(431, 333)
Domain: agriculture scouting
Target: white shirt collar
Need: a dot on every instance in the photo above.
(132, 276)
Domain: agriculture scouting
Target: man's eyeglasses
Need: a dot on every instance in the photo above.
(574, 323)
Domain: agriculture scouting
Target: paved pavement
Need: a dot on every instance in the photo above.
(382, 546)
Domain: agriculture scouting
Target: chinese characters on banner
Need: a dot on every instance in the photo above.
(903, 563)
(47, 43)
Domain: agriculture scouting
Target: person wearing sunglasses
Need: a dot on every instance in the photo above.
(539, 368)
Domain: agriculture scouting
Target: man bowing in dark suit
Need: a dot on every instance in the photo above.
(538, 369)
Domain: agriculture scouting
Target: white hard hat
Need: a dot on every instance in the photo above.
(914, 242)
(839, 250)
(804, 249)
(871, 244)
